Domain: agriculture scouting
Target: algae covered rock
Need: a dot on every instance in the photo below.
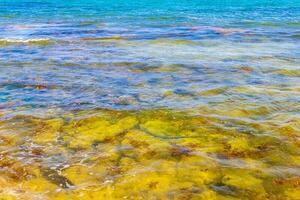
(48, 130)
(79, 175)
(84, 133)
(150, 154)
(39, 185)
(244, 184)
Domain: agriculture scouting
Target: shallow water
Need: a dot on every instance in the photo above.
(149, 99)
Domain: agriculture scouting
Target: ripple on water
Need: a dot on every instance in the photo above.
(149, 100)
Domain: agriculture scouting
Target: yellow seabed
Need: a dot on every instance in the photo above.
(150, 154)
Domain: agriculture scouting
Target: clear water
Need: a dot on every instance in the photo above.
(235, 63)
(91, 53)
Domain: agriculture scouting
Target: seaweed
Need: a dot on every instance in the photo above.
(54, 177)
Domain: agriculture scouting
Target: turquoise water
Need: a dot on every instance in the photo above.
(130, 54)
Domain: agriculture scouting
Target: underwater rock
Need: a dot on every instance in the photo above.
(47, 131)
(152, 154)
(125, 100)
(54, 177)
(213, 92)
(39, 185)
(239, 144)
(292, 193)
(84, 133)
(246, 185)
(167, 130)
(79, 174)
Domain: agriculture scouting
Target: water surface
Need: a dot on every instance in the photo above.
(150, 99)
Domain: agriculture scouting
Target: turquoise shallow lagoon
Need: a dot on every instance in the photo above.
(183, 99)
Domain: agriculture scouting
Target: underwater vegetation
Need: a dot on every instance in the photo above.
(150, 100)
(148, 154)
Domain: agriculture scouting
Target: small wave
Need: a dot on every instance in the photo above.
(109, 39)
(167, 41)
(38, 41)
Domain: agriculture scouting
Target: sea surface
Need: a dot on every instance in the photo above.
(182, 99)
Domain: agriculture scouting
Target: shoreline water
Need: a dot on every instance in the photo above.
(149, 99)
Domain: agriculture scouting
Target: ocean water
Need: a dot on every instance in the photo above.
(183, 99)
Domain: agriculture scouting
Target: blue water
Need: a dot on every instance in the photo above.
(67, 55)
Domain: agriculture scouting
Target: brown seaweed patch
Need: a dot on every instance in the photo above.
(179, 151)
(246, 69)
(19, 84)
(54, 177)
(12, 169)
